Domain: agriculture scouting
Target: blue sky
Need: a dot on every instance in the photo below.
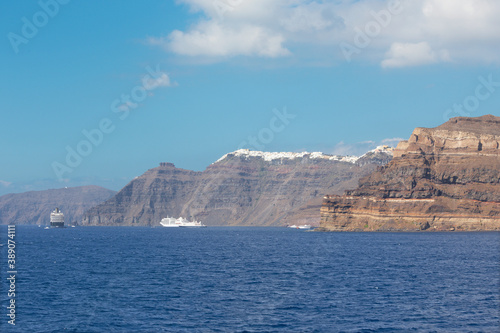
(204, 77)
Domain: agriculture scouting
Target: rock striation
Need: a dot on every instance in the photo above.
(34, 207)
(244, 187)
(443, 178)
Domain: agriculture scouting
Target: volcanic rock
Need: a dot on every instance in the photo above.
(244, 187)
(34, 207)
(443, 178)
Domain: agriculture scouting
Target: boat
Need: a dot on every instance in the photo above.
(57, 219)
(172, 222)
(302, 227)
(305, 227)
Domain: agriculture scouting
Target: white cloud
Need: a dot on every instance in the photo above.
(164, 81)
(412, 54)
(310, 17)
(210, 38)
(5, 183)
(423, 32)
(342, 148)
(392, 142)
(359, 148)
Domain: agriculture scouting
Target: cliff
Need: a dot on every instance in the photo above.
(242, 188)
(443, 178)
(34, 207)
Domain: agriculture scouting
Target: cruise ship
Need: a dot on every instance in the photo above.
(172, 222)
(57, 219)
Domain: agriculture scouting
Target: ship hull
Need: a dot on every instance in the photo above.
(169, 226)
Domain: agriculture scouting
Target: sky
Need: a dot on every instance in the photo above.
(98, 92)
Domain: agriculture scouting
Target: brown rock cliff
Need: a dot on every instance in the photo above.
(443, 178)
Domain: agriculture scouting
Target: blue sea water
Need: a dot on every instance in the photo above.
(222, 279)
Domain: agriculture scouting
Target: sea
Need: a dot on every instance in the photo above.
(237, 279)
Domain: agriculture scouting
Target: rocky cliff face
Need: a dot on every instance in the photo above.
(443, 178)
(34, 207)
(242, 188)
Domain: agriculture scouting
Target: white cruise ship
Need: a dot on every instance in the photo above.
(57, 219)
(172, 222)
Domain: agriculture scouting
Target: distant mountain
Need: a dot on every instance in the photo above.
(244, 187)
(443, 178)
(34, 207)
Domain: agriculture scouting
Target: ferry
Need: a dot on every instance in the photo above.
(302, 227)
(172, 222)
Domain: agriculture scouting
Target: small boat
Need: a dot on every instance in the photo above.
(172, 222)
(305, 227)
